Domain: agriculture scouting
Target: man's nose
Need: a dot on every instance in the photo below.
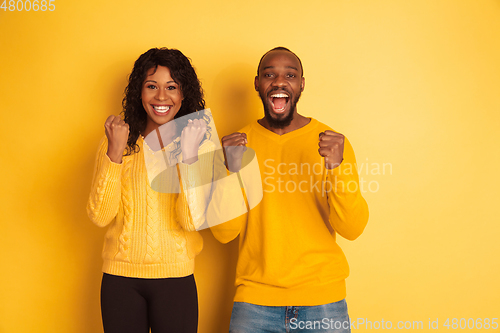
(279, 81)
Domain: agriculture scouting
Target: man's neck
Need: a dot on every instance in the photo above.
(297, 122)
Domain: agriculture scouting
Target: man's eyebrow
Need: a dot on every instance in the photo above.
(291, 67)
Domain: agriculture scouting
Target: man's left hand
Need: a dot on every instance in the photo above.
(331, 147)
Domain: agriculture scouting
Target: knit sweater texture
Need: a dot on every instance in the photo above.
(150, 234)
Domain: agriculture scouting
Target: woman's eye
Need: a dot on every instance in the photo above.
(172, 87)
(151, 86)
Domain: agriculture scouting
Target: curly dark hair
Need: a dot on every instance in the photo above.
(183, 74)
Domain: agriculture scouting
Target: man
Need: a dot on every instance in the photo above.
(291, 273)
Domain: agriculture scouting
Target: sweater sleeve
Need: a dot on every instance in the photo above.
(348, 209)
(196, 184)
(105, 191)
(227, 212)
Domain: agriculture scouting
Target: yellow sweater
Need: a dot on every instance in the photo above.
(288, 254)
(150, 234)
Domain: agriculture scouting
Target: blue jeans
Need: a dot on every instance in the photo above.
(328, 318)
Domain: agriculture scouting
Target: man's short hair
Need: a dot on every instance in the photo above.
(281, 48)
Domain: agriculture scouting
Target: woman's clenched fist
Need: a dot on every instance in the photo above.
(117, 131)
(191, 137)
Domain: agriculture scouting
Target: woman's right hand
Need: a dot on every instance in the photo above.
(116, 130)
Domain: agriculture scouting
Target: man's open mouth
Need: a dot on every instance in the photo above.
(279, 102)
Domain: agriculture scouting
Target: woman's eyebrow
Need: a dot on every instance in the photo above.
(157, 82)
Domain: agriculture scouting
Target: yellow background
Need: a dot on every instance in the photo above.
(412, 83)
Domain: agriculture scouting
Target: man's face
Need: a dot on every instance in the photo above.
(279, 84)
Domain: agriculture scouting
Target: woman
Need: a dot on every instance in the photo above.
(151, 242)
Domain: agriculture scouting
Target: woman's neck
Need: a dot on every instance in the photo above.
(166, 133)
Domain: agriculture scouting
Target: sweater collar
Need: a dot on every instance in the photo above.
(300, 131)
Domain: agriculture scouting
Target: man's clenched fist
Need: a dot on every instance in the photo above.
(234, 146)
(331, 147)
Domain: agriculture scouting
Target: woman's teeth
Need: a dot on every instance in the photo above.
(161, 109)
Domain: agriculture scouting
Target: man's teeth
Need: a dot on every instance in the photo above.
(279, 95)
(161, 109)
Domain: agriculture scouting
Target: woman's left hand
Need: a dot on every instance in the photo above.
(191, 137)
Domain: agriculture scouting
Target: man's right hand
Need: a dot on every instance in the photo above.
(117, 131)
(234, 148)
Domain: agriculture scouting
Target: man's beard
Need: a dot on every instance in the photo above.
(279, 123)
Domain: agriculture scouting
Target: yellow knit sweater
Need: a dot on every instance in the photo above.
(150, 234)
(288, 254)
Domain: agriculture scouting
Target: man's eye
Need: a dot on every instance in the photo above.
(291, 76)
(268, 75)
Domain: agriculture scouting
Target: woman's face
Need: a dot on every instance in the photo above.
(161, 97)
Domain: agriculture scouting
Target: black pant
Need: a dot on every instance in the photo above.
(135, 305)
